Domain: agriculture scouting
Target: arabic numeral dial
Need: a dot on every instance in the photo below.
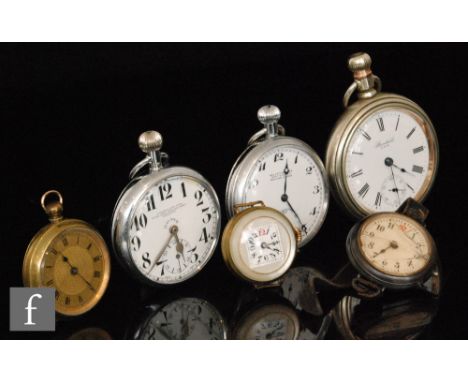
(174, 229)
(290, 180)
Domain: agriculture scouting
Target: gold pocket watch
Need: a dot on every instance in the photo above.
(70, 256)
(259, 243)
(383, 149)
(392, 250)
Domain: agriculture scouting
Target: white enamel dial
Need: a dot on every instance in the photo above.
(388, 160)
(395, 244)
(174, 229)
(264, 245)
(288, 179)
(185, 319)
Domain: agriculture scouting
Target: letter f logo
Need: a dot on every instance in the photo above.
(29, 308)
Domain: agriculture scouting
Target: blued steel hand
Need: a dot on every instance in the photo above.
(286, 172)
(402, 170)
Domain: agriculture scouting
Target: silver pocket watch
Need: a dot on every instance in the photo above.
(167, 222)
(383, 148)
(284, 173)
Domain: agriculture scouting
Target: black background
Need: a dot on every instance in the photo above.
(70, 116)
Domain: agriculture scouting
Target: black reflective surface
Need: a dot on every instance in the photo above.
(70, 116)
(295, 309)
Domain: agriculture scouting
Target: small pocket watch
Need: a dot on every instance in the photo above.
(284, 172)
(166, 224)
(392, 250)
(383, 149)
(70, 256)
(259, 243)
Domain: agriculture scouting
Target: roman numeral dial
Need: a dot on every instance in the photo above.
(77, 265)
(388, 159)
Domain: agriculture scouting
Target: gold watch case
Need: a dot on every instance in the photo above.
(371, 100)
(239, 222)
(70, 256)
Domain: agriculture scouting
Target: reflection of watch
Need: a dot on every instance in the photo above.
(394, 316)
(180, 319)
(392, 250)
(268, 322)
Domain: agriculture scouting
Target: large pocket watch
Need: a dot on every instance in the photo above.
(259, 243)
(185, 318)
(166, 224)
(284, 172)
(383, 149)
(392, 250)
(70, 256)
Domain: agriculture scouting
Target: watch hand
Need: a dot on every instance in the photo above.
(179, 245)
(393, 244)
(389, 163)
(402, 170)
(74, 271)
(303, 227)
(286, 172)
(172, 230)
(396, 188)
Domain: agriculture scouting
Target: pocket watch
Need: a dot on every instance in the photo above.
(181, 319)
(383, 149)
(284, 172)
(259, 243)
(166, 223)
(392, 250)
(70, 256)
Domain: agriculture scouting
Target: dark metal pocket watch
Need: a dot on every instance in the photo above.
(392, 249)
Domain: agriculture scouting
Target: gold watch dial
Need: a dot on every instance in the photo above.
(395, 244)
(76, 264)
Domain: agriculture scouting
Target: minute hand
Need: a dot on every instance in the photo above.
(303, 227)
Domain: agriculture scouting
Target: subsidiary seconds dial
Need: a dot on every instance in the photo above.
(291, 181)
(174, 229)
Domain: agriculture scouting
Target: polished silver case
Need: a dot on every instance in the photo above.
(125, 208)
(364, 268)
(249, 158)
